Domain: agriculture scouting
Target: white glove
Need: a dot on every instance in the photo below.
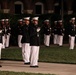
(9, 34)
(0, 31)
(50, 28)
(38, 29)
(9, 28)
(69, 35)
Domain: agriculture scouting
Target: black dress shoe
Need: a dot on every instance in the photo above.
(34, 66)
(7, 47)
(27, 63)
(46, 46)
(60, 46)
(0, 65)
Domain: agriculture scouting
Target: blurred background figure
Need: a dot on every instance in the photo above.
(3, 30)
(20, 24)
(7, 32)
(55, 33)
(47, 33)
(72, 33)
(60, 33)
(26, 40)
(1, 33)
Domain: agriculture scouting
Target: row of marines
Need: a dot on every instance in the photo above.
(57, 30)
(4, 34)
(29, 36)
(30, 41)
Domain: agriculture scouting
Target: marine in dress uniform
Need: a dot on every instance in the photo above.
(60, 33)
(3, 30)
(20, 24)
(34, 42)
(0, 41)
(26, 41)
(8, 32)
(47, 33)
(72, 33)
(55, 33)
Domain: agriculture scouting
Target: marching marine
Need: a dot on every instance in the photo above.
(20, 24)
(55, 33)
(34, 42)
(3, 30)
(7, 32)
(72, 33)
(60, 33)
(26, 40)
(47, 33)
(1, 33)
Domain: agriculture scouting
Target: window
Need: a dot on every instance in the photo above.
(57, 8)
(39, 8)
(60, 6)
(74, 6)
(18, 7)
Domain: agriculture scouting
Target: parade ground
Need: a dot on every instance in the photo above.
(44, 68)
(53, 60)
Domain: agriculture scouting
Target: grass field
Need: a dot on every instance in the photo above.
(52, 54)
(20, 73)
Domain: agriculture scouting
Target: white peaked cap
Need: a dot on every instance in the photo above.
(60, 21)
(35, 18)
(6, 19)
(46, 20)
(20, 20)
(2, 19)
(27, 18)
(73, 18)
(55, 21)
